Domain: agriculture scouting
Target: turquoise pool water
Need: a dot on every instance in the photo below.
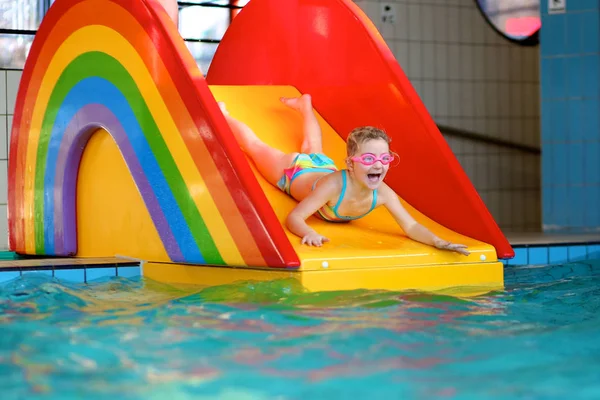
(137, 339)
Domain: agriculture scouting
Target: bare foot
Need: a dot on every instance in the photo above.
(302, 103)
(223, 107)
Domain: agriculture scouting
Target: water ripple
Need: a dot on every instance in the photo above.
(141, 339)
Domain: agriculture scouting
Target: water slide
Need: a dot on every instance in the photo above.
(119, 148)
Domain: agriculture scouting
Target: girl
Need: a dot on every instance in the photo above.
(335, 195)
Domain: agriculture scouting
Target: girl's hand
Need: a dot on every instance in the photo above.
(445, 245)
(314, 239)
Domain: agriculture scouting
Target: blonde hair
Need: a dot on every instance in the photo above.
(363, 134)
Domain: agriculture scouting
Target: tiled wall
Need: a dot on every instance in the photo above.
(9, 84)
(554, 253)
(570, 67)
(471, 78)
(77, 274)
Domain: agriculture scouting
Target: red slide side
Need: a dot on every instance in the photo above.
(330, 49)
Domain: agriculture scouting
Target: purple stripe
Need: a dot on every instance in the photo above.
(87, 120)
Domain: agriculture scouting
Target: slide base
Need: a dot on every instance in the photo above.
(455, 279)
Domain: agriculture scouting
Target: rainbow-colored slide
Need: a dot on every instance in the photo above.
(118, 147)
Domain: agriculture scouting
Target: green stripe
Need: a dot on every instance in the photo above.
(97, 64)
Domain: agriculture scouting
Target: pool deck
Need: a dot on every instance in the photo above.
(530, 249)
(551, 248)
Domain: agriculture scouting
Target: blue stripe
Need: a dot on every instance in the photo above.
(95, 90)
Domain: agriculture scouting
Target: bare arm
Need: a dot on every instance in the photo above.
(296, 219)
(411, 227)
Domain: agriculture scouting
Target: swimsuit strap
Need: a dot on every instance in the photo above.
(343, 193)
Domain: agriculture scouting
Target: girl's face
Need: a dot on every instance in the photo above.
(371, 176)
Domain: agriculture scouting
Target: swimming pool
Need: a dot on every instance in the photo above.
(134, 339)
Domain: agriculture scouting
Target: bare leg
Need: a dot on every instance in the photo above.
(311, 129)
(270, 161)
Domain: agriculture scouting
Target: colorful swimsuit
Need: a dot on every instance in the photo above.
(316, 162)
(303, 163)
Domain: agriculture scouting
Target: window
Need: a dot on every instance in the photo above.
(19, 19)
(201, 24)
(516, 20)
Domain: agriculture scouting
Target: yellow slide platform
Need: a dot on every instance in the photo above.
(370, 253)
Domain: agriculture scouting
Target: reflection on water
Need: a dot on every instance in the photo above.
(141, 339)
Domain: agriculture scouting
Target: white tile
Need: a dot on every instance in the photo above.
(532, 132)
(454, 89)
(442, 98)
(387, 30)
(467, 124)
(481, 172)
(3, 181)
(494, 205)
(517, 97)
(429, 60)
(534, 67)
(479, 99)
(531, 172)
(429, 96)
(428, 23)
(468, 164)
(489, 35)
(480, 126)
(519, 171)
(8, 133)
(417, 86)
(504, 128)
(454, 61)
(371, 8)
(504, 99)
(401, 53)
(13, 78)
(440, 20)
(466, 56)
(492, 102)
(479, 62)
(466, 31)
(414, 61)
(516, 64)
(491, 63)
(517, 129)
(2, 92)
(3, 137)
(402, 21)
(3, 227)
(414, 22)
(495, 171)
(480, 27)
(465, 103)
(504, 61)
(531, 135)
(457, 146)
(506, 173)
(518, 210)
(530, 100)
(531, 209)
(451, 122)
(506, 210)
(441, 61)
(453, 24)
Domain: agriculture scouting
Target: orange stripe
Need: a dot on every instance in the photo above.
(116, 17)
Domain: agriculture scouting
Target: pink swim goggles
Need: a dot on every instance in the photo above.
(370, 159)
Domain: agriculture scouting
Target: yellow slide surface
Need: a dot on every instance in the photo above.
(375, 241)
